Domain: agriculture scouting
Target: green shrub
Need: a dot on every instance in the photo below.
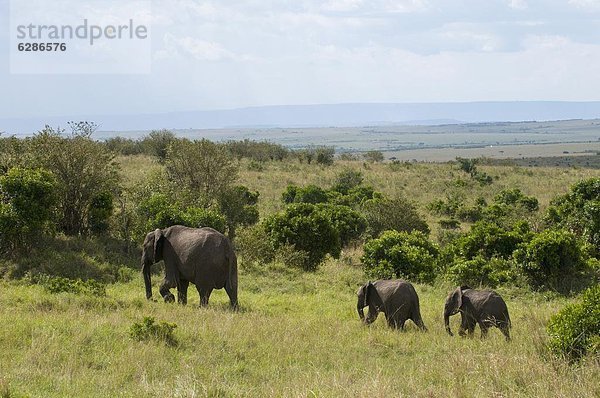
(305, 227)
(487, 239)
(148, 329)
(397, 214)
(196, 217)
(84, 169)
(308, 194)
(99, 212)
(480, 271)
(159, 211)
(401, 255)
(157, 143)
(373, 156)
(516, 197)
(202, 169)
(28, 201)
(254, 246)
(348, 223)
(575, 330)
(550, 255)
(57, 284)
(579, 211)
(346, 180)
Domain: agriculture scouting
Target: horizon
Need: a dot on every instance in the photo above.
(210, 56)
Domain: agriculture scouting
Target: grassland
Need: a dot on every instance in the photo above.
(297, 334)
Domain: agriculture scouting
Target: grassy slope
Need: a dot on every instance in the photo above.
(297, 333)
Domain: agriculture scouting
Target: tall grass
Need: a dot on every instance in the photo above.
(297, 334)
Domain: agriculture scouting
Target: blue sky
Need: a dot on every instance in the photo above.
(228, 54)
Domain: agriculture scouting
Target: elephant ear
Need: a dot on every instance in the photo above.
(367, 287)
(457, 297)
(158, 245)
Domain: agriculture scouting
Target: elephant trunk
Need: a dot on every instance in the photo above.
(147, 281)
(447, 323)
(361, 312)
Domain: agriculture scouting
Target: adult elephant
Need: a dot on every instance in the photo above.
(201, 256)
(397, 299)
(477, 307)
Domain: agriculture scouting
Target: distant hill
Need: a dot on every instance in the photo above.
(333, 115)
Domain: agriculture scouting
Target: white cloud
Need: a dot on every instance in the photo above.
(198, 49)
(518, 4)
(592, 5)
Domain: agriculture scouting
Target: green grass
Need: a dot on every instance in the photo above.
(297, 334)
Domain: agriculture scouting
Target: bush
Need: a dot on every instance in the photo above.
(373, 156)
(550, 255)
(487, 239)
(85, 170)
(346, 180)
(254, 246)
(149, 330)
(305, 227)
(57, 284)
(239, 206)
(201, 168)
(159, 211)
(392, 214)
(480, 271)
(349, 224)
(516, 197)
(575, 330)
(257, 151)
(579, 211)
(308, 194)
(28, 201)
(157, 143)
(401, 255)
(99, 212)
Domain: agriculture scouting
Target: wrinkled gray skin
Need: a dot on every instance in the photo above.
(397, 299)
(477, 307)
(201, 256)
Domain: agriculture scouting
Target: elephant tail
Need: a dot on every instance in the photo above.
(231, 286)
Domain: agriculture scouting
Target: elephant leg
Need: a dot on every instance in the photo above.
(505, 330)
(484, 330)
(204, 295)
(419, 322)
(165, 290)
(182, 289)
(471, 330)
(464, 325)
(371, 316)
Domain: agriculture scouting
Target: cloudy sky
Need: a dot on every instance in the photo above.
(228, 54)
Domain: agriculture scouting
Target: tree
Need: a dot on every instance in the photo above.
(158, 142)
(305, 227)
(84, 170)
(373, 156)
(27, 203)
(239, 206)
(202, 168)
(579, 211)
(396, 214)
(401, 255)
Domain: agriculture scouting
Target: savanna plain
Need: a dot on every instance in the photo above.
(297, 333)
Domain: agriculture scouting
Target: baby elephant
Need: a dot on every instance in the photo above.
(396, 298)
(477, 307)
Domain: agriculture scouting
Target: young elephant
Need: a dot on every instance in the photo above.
(477, 307)
(396, 298)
